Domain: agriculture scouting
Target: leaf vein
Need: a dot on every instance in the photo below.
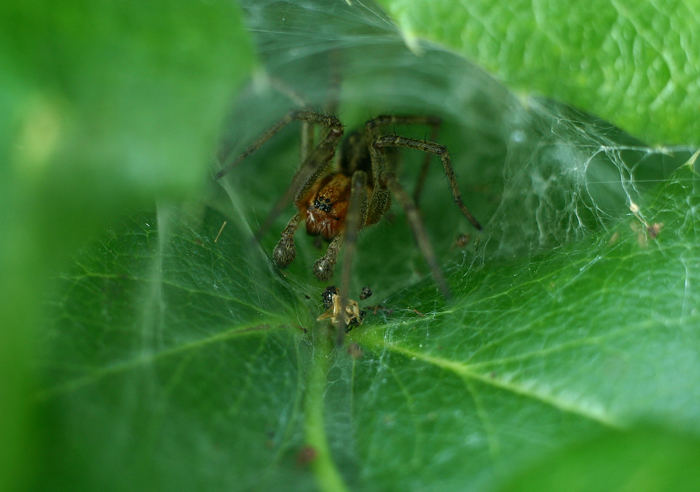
(466, 371)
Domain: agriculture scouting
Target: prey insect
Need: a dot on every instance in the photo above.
(348, 315)
(335, 199)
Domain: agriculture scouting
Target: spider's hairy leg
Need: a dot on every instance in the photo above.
(264, 137)
(393, 119)
(354, 222)
(418, 231)
(440, 151)
(285, 251)
(323, 267)
(434, 122)
(307, 140)
(314, 164)
(303, 115)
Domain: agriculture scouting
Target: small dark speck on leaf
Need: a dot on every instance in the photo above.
(462, 240)
(654, 229)
(306, 455)
(365, 293)
(270, 442)
(355, 351)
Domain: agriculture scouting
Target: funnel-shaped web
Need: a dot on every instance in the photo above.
(181, 355)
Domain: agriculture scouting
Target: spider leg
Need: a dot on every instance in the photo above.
(264, 137)
(439, 150)
(418, 231)
(304, 116)
(355, 220)
(307, 140)
(285, 251)
(323, 267)
(391, 119)
(372, 133)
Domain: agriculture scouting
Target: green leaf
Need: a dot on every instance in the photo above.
(120, 100)
(636, 65)
(595, 336)
(177, 356)
(104, 107)
(199, 374)
(189, 362)
(645, 458)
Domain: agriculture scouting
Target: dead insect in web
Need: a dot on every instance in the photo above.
(347, 317)
(328, 295)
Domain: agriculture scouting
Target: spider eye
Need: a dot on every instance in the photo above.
(322, 203)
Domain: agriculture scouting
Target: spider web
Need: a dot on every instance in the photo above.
(536, 173)
(180, 352)
(540, 176)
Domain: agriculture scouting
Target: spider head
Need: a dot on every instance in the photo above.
(326, 206)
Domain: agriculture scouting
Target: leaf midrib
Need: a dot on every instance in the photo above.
(466, 372)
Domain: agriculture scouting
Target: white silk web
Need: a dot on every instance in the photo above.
(536, 173)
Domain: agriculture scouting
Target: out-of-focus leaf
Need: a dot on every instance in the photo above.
(104, 107)
(644, 459)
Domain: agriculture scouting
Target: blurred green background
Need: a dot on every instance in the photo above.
(140, 353)
(105, 108)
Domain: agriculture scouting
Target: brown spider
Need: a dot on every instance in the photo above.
(337, 203)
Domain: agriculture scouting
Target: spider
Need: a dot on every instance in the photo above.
(335, 200)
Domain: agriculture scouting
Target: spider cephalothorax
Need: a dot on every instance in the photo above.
(325, 206)
(336, 200)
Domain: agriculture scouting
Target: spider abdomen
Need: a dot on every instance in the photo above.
(325, 206)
